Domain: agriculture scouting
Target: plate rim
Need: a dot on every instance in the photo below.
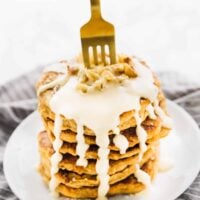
(6, 150)
(5, 171)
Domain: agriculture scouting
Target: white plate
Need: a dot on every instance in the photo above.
(182, 147)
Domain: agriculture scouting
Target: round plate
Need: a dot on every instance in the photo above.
(181, 147)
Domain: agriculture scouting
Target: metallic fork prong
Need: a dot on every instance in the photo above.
(112, 53)
(86, 57)
(103, 55)
(95, 55)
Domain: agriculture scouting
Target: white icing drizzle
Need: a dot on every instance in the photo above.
(60, 80)
(141, 133)
(121, 142)
(102, 165)
(143, 85)
(81, 146)
(57, 156)
(142, 176)
(60, 67)
(166, 120)
(150, 110)
(104, 111)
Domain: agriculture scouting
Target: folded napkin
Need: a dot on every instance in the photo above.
(18, 99)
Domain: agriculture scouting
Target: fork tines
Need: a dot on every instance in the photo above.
(99, 50)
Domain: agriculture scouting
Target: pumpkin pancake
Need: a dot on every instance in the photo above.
(70, 148)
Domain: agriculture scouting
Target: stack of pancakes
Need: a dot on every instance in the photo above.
(81, 182)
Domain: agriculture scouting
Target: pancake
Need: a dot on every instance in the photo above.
(70, 148)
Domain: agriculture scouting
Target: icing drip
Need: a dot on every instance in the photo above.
(121, 142)
(142, 176)
(150, 110)
(141, 133)
(56, 157)
(61, 80)
(102, 165)
(81, 146)
(143, 84)
(166, 120)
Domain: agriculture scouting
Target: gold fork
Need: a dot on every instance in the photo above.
(96, 35)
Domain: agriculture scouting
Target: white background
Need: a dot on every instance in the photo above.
(166, 33)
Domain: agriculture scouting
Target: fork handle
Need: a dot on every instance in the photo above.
(95, 9)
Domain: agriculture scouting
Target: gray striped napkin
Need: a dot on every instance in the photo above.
(18, 99)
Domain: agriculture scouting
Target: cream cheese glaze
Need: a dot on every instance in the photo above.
(121, 142)
(81, 146)
(150, 110)
(166, 120)
(57, 156)
(105, 109)
(142, 176)
(141, 133)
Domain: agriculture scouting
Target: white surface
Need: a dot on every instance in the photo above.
(182, 146)
(165, 33)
